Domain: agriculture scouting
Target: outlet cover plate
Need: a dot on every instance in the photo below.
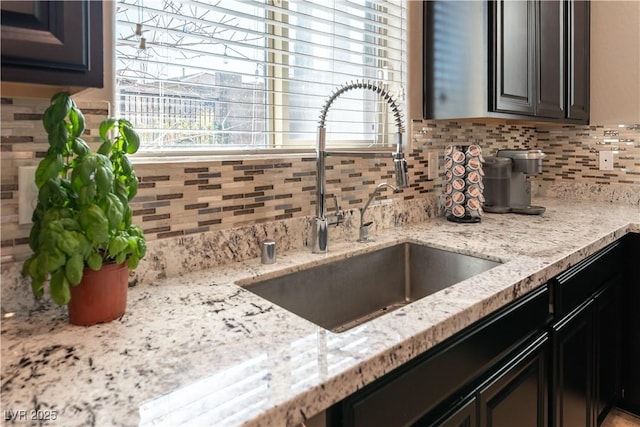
(432, 162)
(606, 160)
(27, 193)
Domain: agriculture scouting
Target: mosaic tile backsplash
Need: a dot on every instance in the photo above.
(188, 198)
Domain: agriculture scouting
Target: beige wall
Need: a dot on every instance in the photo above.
(615, 61)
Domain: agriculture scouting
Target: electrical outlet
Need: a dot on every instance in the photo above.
(606, 160)
(27, 193)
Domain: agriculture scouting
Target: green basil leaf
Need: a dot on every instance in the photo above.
(106, 126)
(25, 266)
(87, 194)
(69, 224)
(58, 137)
(52, 193)
(126, 219)
(83, 170)
(55, 214)
(133, 261)
(94, 261)
(117, 245)
(142, 247)
(104, 180)
(132, 138)
(80, 147)
(68, 243)
(37, 286)
(35, 270)
(84, 246)
(77, 122)
(125, 164)
(47, 120)
(121, 257)
(61, 104)
(121, 191)
(34, 236)
(105, 147)
(95, 224)
(134, 230)
(53, 259)
(60, 292)
(74, 268)
(132, 185)
(104, 161)
(48, 168)
(44, 193)
(114, 209)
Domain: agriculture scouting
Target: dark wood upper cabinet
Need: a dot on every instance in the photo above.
(514, 59)
(550, 59)
(511, 59)
(578, 25)
(52, 42)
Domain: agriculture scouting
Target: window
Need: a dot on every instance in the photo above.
(227, 74)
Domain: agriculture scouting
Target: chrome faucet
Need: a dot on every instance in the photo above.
(364, 227)
(320, 235)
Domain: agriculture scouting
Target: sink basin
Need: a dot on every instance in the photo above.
(341, 294)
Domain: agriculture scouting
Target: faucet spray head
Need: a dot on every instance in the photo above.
(400, 164)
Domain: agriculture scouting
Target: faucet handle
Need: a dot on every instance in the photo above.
(338, 218)
(337, 203)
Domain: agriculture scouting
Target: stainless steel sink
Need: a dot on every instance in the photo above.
(342, 294)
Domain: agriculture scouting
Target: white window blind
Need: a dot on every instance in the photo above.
(219, 75)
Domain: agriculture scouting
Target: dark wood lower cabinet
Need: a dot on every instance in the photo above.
(515, 395)
(607, 348)
(524, 366)
(463, 415)
(573, 369)
(630, 372)
(432, 386)
(518, 394)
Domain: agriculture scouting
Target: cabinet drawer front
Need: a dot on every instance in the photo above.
(409, 392)
(579, 282)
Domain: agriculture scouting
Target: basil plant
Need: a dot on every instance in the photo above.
(82, 218)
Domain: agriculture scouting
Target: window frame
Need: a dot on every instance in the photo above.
(210, 153)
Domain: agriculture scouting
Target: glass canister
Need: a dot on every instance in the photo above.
(463, 190)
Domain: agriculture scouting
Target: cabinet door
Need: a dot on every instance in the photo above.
(513, 56)
(607, 348)
(573, 369)
(550, 54)
(631, 325)
(518, 396)
(578, 59)
(52, 42)
(462, 416)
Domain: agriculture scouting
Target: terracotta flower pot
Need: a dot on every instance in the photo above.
(100, 297)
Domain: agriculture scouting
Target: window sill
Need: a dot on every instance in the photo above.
(231, 155)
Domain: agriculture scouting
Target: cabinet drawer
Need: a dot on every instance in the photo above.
(578, 283)
(449, 369)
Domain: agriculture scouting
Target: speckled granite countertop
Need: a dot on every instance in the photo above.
(198, 350)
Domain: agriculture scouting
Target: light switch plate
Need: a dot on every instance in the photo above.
(27, 193)
(606, 160)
